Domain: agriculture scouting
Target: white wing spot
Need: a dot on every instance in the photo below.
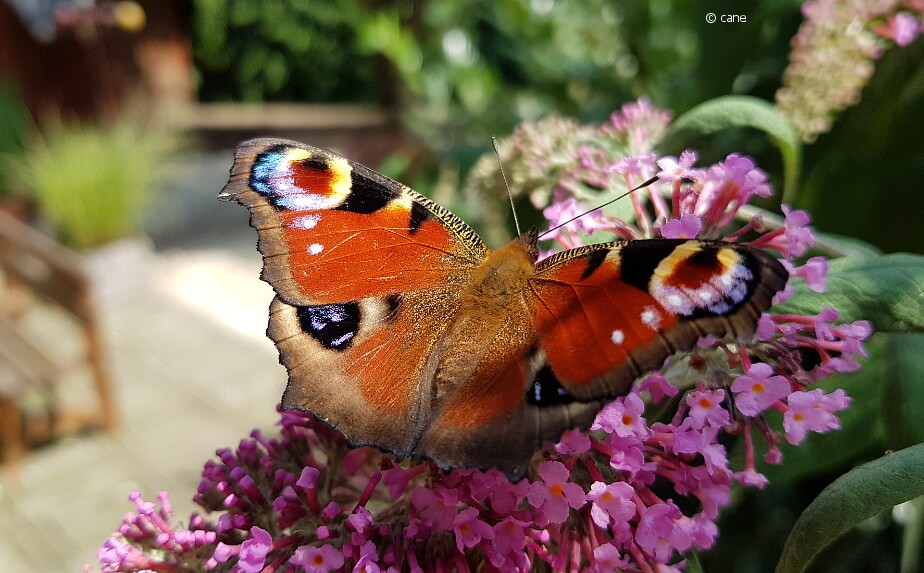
(305, 222)
(315, 248)
(705, 294)
(303, 201)
(651, 317)
(618, 336)
(674, 302)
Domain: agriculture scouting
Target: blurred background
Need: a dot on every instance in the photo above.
(131, 314)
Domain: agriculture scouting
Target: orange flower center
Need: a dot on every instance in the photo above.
(558, 490)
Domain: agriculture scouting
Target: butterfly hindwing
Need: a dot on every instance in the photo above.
(364, 367)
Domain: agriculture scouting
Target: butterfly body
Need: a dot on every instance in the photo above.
(402, 330)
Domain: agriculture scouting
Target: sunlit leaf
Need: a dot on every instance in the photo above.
(744, 111)
(862, 493)
(886, 290)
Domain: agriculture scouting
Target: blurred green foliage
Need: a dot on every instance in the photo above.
(864, 177)
(92, 182)
(458, 72)
(14, 120)
(280, 50)
(461, 71)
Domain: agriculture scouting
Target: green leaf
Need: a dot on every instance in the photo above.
(887, 290)
(693, 563)
(903, 390)
(843, 245)
(745, 111)
(859, 494)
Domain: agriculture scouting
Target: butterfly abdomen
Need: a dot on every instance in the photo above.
(491, 326)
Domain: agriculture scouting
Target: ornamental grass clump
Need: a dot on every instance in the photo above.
(92, 182)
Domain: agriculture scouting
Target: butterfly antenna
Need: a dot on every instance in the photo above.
(610, 202)
(513, 209)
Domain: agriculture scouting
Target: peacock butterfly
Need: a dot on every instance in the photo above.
(399, 327)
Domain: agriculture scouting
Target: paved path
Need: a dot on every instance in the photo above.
(192, 371)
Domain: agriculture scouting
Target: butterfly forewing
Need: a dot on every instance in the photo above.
(608, 313)
(332, 230)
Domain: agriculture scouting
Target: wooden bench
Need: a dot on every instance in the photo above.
(37, 270)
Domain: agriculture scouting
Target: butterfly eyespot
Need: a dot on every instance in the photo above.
(294, 179)
(547, 390)
(333, 325)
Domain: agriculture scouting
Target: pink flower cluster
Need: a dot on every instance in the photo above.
(833, 56)
(633, 493)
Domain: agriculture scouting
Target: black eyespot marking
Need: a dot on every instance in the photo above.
(594, 260)
(547, 390)
(419, 215)
(333, 325)
(394, 301)
(366, 196)
(639, 260)
(706, 256)
(316, 163)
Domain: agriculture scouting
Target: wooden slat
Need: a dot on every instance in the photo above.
(22, 365)
(31, 258)
(35, 263)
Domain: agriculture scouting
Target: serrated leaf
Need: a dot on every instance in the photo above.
(887, 290)
(859, 494)
(745, 111)
(903, 390)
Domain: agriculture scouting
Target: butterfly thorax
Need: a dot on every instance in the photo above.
(500, 281)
